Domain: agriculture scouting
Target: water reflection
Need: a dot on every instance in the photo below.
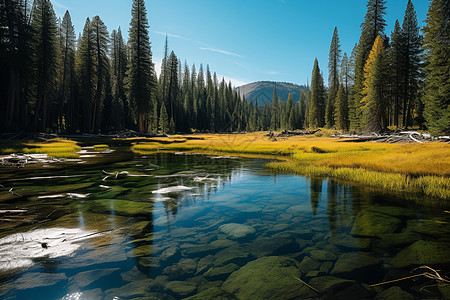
(173, 226)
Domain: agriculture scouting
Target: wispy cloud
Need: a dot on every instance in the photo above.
(234, 81)
(59, 5)
(272, 72)
(221, 51)
(170, 35)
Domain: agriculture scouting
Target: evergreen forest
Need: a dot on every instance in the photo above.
(101, 81)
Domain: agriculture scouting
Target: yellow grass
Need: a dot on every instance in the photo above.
(100, 147)
(417, 168)
(61, 148)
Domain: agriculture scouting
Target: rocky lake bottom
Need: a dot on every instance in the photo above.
(177, 226)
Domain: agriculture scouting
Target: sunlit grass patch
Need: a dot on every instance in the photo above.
(100, 147)
(415, 168)
(433, 186)
(60, 148)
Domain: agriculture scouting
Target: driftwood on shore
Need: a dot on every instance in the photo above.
(398, 137)
(20, 160)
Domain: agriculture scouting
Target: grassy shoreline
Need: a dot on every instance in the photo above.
(400, 168)
(422, 169)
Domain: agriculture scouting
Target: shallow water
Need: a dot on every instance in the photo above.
(169, 226)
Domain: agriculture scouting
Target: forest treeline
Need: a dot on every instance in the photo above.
(52, 81)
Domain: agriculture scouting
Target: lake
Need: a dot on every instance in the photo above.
(123, 225)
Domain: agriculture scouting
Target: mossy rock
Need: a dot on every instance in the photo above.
(121, 207)
(270, 277)
(220, 273)
(181, 288)
(394, 293)
(373, 224)
(213, 293)
(422, 253)
(394, 211)
(359, 266)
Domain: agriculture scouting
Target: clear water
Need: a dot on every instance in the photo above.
(108, 228)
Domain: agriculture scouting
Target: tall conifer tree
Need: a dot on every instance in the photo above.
(141, 69)
(437, 88)
(374, 100)
(317, 102)
(45, 60)
(372, 26)
(412, 58)
(334, 60)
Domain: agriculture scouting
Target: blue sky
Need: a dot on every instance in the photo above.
(243, 40)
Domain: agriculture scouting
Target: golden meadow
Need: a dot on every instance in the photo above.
(401, 168)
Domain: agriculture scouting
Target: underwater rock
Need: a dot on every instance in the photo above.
(236, 231)
(140, 251)
(270, 246)
(322, 255)
(120, 207)
(270, 277)
(308, 264)
(188, 265)
(444, 289)
(204, 264)
(36, 280)
(199, 250)
(351, 243)
(234, 255)
(108, 254)
(393, 211)
(357, 265)
(330, 284)
(399, 239)
(214, 293)
(394, 293)
(313, 274)
(173, 253)
(133, 290)
(373, 224)
(132, 275)
(83, 279)
(181, 288)
(220, 273)
(422, 253)
(435, 228)
(326, 267)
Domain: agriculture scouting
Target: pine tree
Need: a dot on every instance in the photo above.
(274, 122)
(317, 102)
(374, 100)
(396, 67)
(412, 53)
(288, 112)
(121, 106)
(163, 119)
(372, 26)
(67, 86)
(101, 63)
(140, 69)
(45, 60)
(86, 75)
(15, 65)
(437, 88)
(333, 77)
(341, 112)
(302, 109)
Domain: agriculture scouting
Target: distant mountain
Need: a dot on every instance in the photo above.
(263, 90)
